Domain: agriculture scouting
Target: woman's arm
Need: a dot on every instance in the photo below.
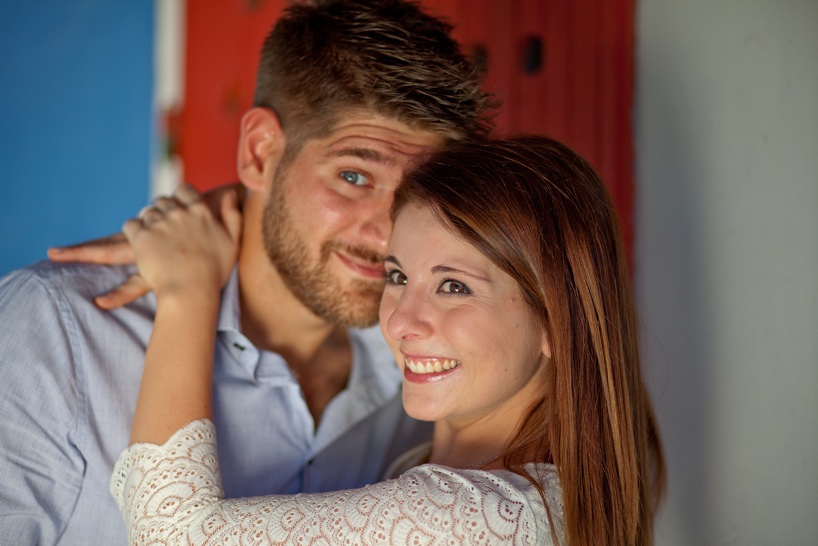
(185, 255)
(172, 494)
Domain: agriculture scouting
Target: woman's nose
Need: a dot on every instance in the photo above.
(409, 317)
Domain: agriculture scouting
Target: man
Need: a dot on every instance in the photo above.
(348, 94)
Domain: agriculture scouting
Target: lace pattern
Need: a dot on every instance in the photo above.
(172, 495)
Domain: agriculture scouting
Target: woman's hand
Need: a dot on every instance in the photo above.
(180, 247)
(116, 250)
(185, 254)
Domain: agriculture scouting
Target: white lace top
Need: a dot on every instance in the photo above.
(172, 495)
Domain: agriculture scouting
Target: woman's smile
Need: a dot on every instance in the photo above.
(468, 344)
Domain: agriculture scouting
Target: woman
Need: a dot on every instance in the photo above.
(508, 308)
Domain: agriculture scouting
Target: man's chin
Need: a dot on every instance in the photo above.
(358, 307)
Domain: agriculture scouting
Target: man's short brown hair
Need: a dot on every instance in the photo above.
(326, 57)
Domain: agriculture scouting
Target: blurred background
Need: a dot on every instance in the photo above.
(702, 117)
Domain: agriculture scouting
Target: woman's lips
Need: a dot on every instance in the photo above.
(425, 369)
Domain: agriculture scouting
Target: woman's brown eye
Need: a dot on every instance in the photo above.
(395, 277)
(454, 287)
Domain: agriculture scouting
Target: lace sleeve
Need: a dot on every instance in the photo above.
(172, 494)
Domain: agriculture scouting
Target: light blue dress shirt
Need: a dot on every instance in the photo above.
(69, 377)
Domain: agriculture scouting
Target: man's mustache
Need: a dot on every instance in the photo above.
(360, 252)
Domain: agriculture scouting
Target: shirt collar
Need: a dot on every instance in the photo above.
(229, 317)
(228, 327)
(374, 374)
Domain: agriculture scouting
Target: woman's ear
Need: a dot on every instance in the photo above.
(546, 346)
(261, 147)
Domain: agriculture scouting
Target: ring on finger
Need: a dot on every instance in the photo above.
(143, 211)
(149, 214)
(166, 204)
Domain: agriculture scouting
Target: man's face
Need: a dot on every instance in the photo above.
(326, 219)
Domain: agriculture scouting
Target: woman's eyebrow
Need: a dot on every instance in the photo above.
(447, 269)
(392, 259)
(442, 269)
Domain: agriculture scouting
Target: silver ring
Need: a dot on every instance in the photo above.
(144, 210)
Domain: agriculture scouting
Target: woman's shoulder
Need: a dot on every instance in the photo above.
(505, 502)
(410, 459)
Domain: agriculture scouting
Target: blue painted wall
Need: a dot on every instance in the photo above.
(76, 84)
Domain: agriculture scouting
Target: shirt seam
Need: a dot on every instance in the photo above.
(69, 325)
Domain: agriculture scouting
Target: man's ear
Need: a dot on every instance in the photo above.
(261, 147)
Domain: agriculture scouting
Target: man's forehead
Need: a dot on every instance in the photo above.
(365, 154)
(361, 130)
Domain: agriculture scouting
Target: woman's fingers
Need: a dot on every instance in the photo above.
(164, 232)
(116, 250)
(231, 215)
(187, 194)
(110, 250)
(166, 203)
(150, 215)
(131, 228)
(180, 245)
(132, 289)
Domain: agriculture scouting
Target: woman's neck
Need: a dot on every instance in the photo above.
(478, 445)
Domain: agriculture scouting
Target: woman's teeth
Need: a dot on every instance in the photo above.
(431, 366)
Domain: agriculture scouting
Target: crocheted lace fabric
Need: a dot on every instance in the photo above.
(172, 495)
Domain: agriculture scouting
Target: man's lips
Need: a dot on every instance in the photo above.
(363, 268)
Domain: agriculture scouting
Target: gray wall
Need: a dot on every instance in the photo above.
(726, 127)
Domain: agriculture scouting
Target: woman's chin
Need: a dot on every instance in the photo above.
(421, 410)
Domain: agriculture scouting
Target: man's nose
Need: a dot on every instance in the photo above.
(377, 224)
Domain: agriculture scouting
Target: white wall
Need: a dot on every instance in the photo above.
(726, 125)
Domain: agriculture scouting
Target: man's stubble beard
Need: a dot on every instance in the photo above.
(354, 303)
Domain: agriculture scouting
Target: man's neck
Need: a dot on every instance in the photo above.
(317, 352)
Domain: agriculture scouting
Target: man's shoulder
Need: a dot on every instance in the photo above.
(45, 277)
(68, 290)
(374, 365)
(371, 339)
(73, 272)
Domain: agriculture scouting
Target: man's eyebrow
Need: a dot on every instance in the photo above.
(367, 154)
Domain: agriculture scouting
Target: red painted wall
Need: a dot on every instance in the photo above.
(223, 43)
(582, 94)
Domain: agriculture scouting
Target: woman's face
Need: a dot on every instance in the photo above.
(470, 348)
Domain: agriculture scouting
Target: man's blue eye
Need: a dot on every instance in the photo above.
(354, 178)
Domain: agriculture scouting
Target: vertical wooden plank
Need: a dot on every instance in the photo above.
(581, 80)
(526, 104)
(223, 43)
(499, 32)
(618, 73)
(257, 20)
(558, 55)
(207, 127)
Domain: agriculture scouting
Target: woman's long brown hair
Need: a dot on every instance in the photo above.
(540, 213)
